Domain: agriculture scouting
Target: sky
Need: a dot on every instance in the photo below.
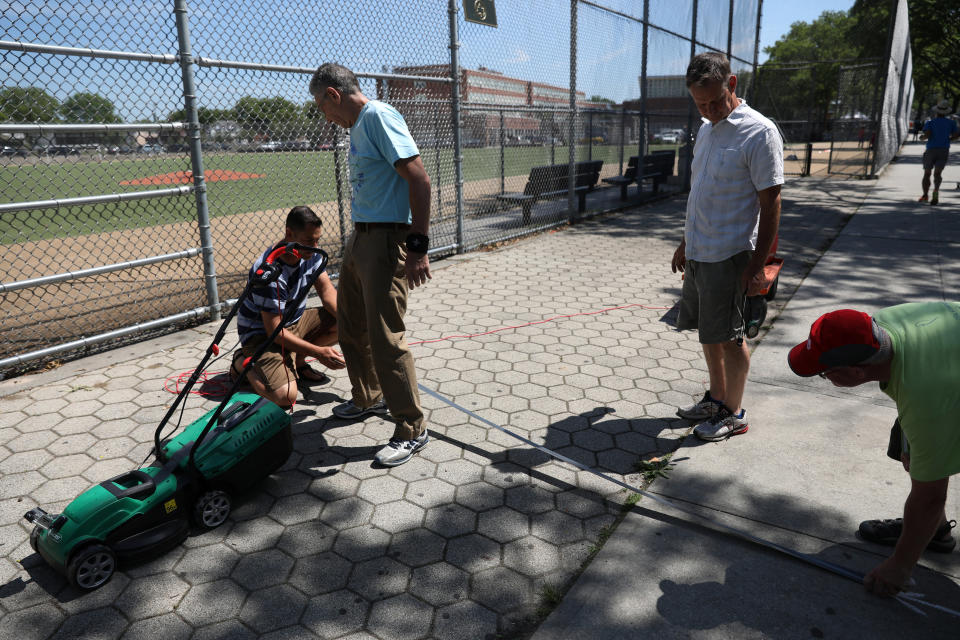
(530, 42)
(778, 15)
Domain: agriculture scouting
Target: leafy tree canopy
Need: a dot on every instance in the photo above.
(88, 108)
(27, 104)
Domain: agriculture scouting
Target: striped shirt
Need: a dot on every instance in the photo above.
(274, 297)
(732, 160)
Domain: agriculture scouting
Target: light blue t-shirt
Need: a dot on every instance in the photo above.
(940, 129)
(378, 139)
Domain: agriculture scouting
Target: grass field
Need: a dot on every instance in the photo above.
(290, 178)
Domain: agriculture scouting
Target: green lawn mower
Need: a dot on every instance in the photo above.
(145, 512)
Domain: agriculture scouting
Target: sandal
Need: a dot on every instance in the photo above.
(308, 374)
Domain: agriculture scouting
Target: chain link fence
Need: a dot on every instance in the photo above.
(842, 117)
(150, 155)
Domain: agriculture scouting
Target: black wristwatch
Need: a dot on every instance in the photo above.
(418, 243)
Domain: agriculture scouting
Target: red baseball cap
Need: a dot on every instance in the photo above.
(841, 338)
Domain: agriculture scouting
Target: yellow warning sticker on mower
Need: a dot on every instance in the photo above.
(170, 506)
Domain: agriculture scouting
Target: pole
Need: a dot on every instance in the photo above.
(572, 127)
(457, 115)
(196, 158)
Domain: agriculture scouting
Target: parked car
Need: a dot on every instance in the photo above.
(9, 152)
(273, 145)
(151, 148)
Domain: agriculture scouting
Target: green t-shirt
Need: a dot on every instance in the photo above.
(925, 383)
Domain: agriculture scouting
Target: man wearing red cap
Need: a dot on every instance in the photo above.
(913, 351)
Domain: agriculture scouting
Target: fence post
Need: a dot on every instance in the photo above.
(339, 137)
(196, 158)
(436, 149)
(808, 159)
(688, 160)
(457, 142)
(552, 142)
(502, 142)
(642, 121)
(572, 157)
(590, 135)
(623, 135)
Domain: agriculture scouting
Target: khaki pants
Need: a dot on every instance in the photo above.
(371, 303)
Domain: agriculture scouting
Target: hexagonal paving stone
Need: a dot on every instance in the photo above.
(459, 472)
(362, 543)
(440, 583)
(42, 407)
(397, 516)
(296, 508)
(381, 490)
(430, 492)
(30, 441)
(321, 573)
(111, 448)
(531, 556)
(465, 620)
(417, 547)
(24, 461)
(400, 618)
(500, 588)
(473, 552)
(262, 569)
(212, 602)
(529, 499)
(307, 539)
(286, 483)
(98, 623)
(349, 512)
(151, 596)
(61, 489)
(450, 520)
(556, 527)
(479, 496)
(503, 524)
(379, 578)
(231, 629)
(64, 466)
(593, 440)
(208, 563)
(273, 608)
(254, 535)
(71, 444)
(335, 614)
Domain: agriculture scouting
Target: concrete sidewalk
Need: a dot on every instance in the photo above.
(810, 469)
(565, 338)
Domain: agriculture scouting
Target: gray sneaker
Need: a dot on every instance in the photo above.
(350, 411)
(399, 451)
(723, 425)
(705, 408)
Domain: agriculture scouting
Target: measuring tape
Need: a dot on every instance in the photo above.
(908, 599)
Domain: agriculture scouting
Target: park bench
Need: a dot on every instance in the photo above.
(657, 166)
(551, 181)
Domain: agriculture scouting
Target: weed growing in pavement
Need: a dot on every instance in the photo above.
(654, 468)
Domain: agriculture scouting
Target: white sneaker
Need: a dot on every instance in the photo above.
(399, 451)
(723, 425)
(350, 411)
(705, 408)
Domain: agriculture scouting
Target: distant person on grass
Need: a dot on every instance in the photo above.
(311, 332)
(938, 131)
(385, 257)
(733, 213)
(913, 351)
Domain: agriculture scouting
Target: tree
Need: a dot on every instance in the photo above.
(88, 108)
(27, 104)
(799, 80)
(934, 42)
(276, 117)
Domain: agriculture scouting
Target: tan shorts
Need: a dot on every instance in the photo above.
(275, 367)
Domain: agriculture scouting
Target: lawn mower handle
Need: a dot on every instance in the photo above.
(257, 280)
(288, 313)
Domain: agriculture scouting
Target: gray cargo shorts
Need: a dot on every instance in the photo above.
(712, 300)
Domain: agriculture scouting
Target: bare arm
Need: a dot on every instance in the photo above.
(766, 233)
(922, 514)
(327, 356)
(327, 293)
(413, 171)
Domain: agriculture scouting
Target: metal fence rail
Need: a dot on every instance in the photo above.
(111, 114)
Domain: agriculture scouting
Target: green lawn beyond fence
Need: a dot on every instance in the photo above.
(289, 179)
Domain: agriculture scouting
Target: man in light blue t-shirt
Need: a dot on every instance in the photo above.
(938, 132)
(385, 257)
